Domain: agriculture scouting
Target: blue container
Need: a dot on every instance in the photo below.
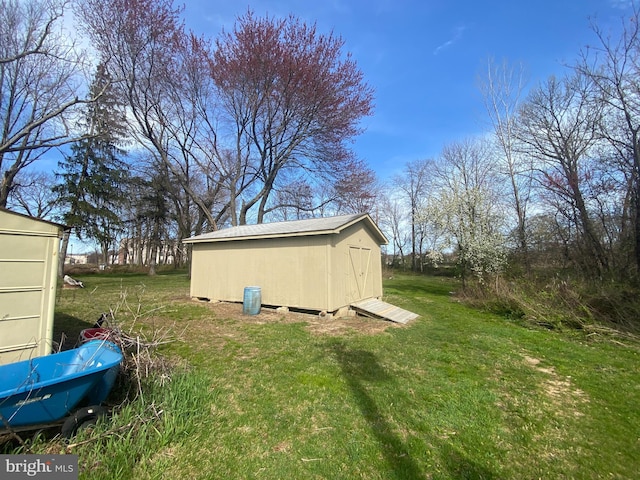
(46, 389)
(251, 301)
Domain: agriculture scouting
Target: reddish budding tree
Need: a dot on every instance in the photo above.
(293, 101)
(357, 189)
(272, 102)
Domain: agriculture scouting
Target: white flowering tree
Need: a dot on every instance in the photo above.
(465, 208)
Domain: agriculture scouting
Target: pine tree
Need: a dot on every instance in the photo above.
(93, 175)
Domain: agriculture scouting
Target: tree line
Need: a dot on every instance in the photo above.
(555, 183)
(177, 134)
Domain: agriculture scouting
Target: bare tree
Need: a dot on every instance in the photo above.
(356, 188)
(39, 84)
(33, 194)
(392, 218)
(294, 200)
(414, 183)
(612, 65)
(190, 114)
(560, 124)
(503, 88)
(147, 51)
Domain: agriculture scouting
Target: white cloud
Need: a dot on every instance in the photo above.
(623, 4)
(457, 35)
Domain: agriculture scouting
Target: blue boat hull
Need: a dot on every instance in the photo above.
(47, 389)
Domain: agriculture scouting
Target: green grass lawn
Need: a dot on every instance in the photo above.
(456, 394)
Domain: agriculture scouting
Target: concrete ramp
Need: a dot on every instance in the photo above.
(373, 307)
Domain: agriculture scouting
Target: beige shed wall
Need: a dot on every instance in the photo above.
(316, 272)
(28, 261)
(289, 271)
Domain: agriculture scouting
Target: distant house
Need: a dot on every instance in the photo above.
(319, 264)
(76, 258)
(28, 265)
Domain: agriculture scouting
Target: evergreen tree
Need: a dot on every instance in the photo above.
(93, 175)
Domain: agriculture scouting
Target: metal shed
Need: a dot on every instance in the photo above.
(320, 264)
(28, 277)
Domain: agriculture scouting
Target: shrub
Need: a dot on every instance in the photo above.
(558, 303)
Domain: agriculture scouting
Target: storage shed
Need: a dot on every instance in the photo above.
(28, 277)
(319, 264)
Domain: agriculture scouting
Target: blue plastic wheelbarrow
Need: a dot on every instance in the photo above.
(42, 391)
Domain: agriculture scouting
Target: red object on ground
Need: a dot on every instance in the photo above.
(94, 334)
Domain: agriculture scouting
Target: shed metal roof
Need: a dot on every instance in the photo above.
(295, 228)
(29, 218)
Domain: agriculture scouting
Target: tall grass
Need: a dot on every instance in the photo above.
(146, 431)
(611, 309)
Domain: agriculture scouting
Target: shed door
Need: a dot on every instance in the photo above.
(360, 284)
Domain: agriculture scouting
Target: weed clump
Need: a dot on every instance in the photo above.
(560, 304)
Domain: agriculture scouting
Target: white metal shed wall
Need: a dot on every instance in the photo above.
(28, 278)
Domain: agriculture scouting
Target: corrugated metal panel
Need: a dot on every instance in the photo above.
(380, 309)
(28, 262)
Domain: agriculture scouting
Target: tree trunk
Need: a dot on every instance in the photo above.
(413, 236)
(152, 262)
(636, 221)
(63, 251)
(594, 245)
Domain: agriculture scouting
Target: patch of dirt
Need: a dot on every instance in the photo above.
(545, 410)
(316, 324)
(560, 391)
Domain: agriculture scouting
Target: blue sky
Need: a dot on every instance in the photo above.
(423, 58)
